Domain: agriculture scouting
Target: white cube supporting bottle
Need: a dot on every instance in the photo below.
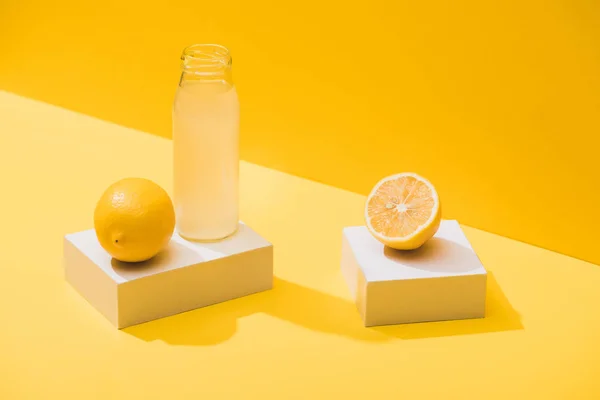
(206, 145)
(186, 275)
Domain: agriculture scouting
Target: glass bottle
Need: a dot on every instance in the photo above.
(206, 145)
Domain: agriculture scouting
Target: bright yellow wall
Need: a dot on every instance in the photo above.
(497, 102)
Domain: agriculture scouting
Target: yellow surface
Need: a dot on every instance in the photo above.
(302, 340)
(496, 102)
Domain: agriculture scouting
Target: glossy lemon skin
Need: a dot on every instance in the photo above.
(134, 219)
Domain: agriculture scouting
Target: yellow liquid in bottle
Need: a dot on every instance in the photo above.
(206, 159)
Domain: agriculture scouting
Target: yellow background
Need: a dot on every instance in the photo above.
(302, 340)
(497, 102)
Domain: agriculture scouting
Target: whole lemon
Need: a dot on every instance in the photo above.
(134, 219)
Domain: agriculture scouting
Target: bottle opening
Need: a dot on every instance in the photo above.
(206, 59)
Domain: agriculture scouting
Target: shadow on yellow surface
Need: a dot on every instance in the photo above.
(500, 316)
(319, 312)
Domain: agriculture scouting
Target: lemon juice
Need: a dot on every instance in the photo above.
(206, 145)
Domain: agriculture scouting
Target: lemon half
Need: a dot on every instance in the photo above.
(403, 211)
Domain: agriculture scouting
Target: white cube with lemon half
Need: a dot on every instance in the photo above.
(133, 268)
(407, 264)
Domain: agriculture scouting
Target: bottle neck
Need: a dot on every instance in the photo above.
(205, 62)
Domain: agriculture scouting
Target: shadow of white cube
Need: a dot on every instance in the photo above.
(185, 276)
(442, 280)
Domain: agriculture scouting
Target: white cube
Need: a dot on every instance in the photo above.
(442, 280)
(184, 276)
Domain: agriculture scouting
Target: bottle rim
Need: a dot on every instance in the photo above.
(206, 59)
